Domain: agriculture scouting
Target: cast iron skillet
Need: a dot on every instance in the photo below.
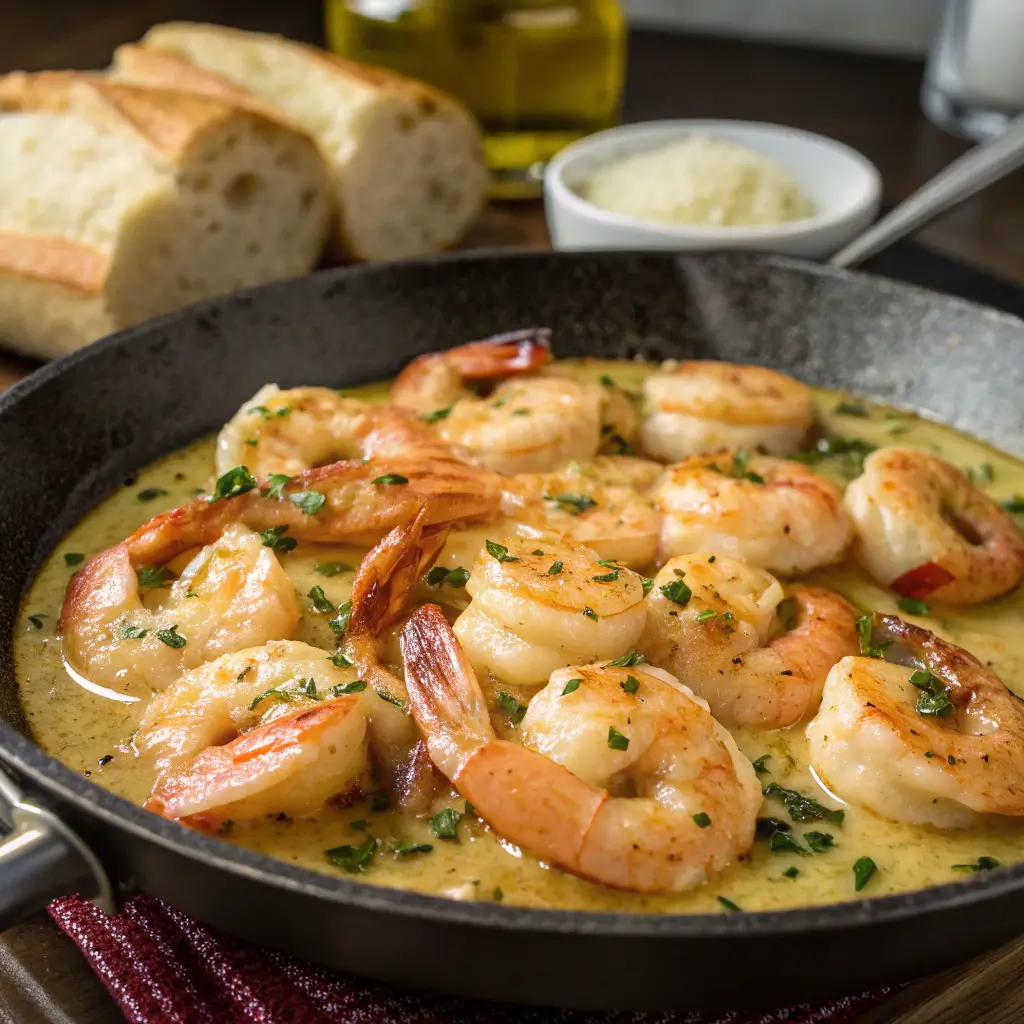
(71, 433)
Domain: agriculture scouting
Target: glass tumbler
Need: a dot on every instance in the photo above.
(974, 83)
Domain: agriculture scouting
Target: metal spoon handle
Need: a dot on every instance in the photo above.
(976, 169)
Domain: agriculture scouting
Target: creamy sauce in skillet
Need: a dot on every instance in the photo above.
(91, 731)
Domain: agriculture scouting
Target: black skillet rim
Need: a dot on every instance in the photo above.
(49, 775)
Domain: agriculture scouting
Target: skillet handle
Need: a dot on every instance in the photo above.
(41, 859)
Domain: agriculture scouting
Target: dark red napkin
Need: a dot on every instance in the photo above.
(164, 968)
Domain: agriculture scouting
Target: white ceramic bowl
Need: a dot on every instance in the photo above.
(843, 185)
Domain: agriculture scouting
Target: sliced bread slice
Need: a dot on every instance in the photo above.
(118, 203)
(407, 160)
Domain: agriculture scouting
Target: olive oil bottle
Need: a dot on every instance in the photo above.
(537, 73)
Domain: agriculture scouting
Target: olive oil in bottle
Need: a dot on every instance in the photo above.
(537, 73)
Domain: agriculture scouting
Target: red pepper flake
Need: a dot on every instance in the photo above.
(923, 581)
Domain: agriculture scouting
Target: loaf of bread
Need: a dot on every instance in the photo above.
(407, 162)
(120, 202)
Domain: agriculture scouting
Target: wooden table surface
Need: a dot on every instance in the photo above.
(870, 103)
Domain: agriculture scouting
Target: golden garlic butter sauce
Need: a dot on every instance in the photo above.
(90, 731)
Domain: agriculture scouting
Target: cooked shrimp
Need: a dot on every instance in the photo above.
(214, 703)
(356, 502)
(768, 512)
(925, 530)
(696, 796)
(703, 406)
(233, 594)
(937, 746)
(381, 589)
(289, 765)
(291, 431)
(530, 424)
(710, 622)
(537, 606)
(622, 471)
(618, 523)
(438, 380)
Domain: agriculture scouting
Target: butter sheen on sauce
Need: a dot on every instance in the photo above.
(81, 728)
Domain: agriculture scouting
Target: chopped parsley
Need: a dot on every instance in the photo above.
(511, 707)
(437, 415)
(784, 842)
(984, 474)
(151, 493)
(379, 801)
(1015, 504)
(867, 648)
(852, 450)
(589, 612)
(439, 576)
(740, 464)
(392, 699)
(934, 696)
(273, 537)
(128, 631)
(630, 684)
(497, 895)
(729, 905)
(706, 615)
(616, 740)
(264, 413)
(913, 606)
(851, 409)
(331, 568)
(819, 842)
(73, 558)
(344, 689)
(339, 624)
(445, 824)
(389, 479)
(607, 381)
(309, 501)
(608, 577)
(803, 808)
(171, 637)
(338, 660)
(320, 601)
(765, 828)
(791, 872)
(759, 764)
(701, 820)
(571, 686)
(628, 660)
(353, 859)
(647, 583)
(677, 592)
(863, 869)
(577, 504)
(403, 848)
(499, 552)
(153, 577)
(981, 864)
(554, 568)
(275, 485)
(233, 483)
(282, 696)
(359, 826)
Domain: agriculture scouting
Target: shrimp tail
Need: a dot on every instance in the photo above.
(503, 355)
(446, 698)
(388, 573)
(959, 669)
(384, 581)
